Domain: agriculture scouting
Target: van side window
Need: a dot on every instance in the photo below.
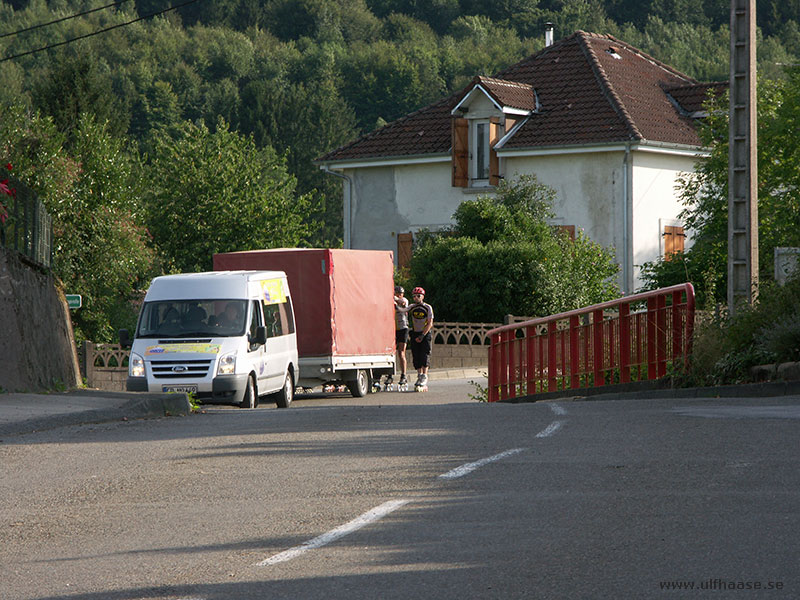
(287, 320)
(255, 322)
(278, 318)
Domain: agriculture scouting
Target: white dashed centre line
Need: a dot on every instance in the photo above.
(334, 534)
(550, 429)
(470, 467)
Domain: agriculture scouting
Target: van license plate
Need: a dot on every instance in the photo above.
(185, 389)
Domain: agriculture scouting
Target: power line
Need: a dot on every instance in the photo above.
(62, 19)
(99, 31)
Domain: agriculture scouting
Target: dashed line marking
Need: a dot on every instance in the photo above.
(334, 534)
(470, 467)
(550, 429)
(558, 409)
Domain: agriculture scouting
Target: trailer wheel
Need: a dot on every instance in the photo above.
(284, 397)
(250, 399)
(360, 386)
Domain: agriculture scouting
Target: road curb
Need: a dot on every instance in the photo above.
(139, 406)
(768, 389)
(461, 373)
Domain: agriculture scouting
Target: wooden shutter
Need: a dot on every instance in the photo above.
(460, 149)
(494, 161)
(404, 243)
(673, 240)
(569, 230)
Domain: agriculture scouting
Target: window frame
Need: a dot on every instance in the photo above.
(480, 150)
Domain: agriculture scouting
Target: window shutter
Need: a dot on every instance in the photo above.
(460, 149)
(494, 161)
(673, 240)
(569, 230)
(404, 243)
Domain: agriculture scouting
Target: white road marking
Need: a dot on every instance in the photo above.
(558, 409)
(334, 534)
(470, 467)
(550, 429)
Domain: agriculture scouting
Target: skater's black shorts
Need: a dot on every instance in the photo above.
(421, 351)
(401, 336)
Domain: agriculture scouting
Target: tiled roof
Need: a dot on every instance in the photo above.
(509, 93)
(691, 97)
(592, 89)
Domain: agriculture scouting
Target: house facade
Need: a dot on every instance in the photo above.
(608, 127)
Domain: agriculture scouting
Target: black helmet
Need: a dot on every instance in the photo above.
(398, 289)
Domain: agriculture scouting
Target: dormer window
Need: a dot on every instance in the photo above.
(486, 113)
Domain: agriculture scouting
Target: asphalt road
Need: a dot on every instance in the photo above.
(410, 496)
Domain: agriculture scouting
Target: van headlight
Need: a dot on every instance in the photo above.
(136, 366)
(227, 365)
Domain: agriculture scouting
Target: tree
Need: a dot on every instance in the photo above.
(216, 192)
(78, 84)
(100, 247)
(503, 257)
(705, 193)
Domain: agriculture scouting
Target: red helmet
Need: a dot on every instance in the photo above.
(418, 290)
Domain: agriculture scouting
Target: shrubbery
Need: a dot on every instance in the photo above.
(726, 348)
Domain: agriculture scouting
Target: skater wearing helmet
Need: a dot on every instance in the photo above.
(421, 323)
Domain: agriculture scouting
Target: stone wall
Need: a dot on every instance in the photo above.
(37, 347)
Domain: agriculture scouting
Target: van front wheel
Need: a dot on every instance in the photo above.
(250, 399)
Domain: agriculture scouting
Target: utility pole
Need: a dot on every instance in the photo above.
(742, 158)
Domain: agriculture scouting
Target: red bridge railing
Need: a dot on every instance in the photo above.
(633, 338)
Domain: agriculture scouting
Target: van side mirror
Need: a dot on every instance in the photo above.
(124, 338)
(260, 337)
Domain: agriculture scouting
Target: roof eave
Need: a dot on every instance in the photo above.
(384, 161)
(633, 145)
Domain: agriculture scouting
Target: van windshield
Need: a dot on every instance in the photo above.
(192, 318)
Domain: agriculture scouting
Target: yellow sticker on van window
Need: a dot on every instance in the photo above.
(272, 291)
(172, 348)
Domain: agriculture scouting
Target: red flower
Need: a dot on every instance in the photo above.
(4, 187)
(8, 166)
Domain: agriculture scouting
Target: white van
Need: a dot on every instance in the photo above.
(225, 336)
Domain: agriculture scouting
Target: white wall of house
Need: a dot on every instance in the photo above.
(590, 190)
(655, 201)
(590, 186)
(401, 198)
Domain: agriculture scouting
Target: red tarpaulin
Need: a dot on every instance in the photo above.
(342, 298)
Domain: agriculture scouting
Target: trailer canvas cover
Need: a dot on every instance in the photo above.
(342, 298)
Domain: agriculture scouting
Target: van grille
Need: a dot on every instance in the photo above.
(180, 369)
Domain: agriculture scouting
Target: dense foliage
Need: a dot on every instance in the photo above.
(90, 125)
(705, 194)
(216, 192)
(502, 257)
(726, 347)
(767, 333)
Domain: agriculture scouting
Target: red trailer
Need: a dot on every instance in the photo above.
(343, 307)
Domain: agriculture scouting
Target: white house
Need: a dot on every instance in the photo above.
(607, 126)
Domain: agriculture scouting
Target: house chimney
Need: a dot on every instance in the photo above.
(548, 34)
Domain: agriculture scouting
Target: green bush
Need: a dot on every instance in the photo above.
(726, 348)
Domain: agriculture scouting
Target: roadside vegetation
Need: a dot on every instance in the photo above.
(725, 349)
